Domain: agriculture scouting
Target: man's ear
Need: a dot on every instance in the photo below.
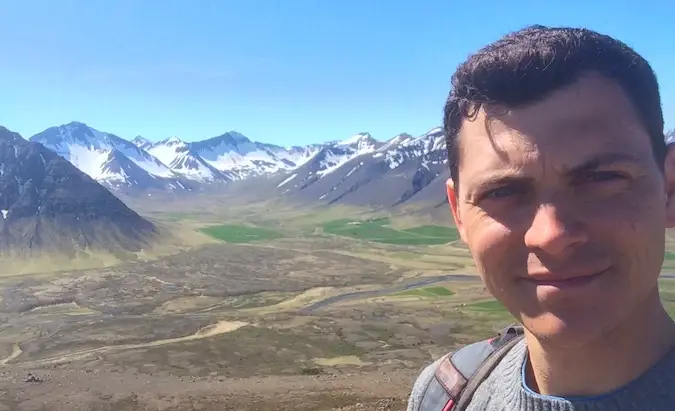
(669, 178)
(452, 200)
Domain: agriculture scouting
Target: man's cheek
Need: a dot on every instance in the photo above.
(496, 261)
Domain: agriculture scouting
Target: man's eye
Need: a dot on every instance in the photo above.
(602, 176)
(501, 192)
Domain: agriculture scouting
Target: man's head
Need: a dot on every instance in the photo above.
(557, 153)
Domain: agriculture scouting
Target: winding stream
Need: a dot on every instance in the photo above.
(384, 291)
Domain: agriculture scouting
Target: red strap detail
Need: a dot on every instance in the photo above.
(449, 405)
(450, 379)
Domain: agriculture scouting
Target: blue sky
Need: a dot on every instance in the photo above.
(284, 71)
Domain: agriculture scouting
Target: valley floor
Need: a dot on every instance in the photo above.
(274, 317)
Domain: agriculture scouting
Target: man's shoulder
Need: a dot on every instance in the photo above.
(419, 388)
(454, 375)
(444, 379)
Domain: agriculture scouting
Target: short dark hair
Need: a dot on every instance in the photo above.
(527, 65)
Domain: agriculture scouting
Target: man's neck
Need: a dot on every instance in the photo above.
(605, 365)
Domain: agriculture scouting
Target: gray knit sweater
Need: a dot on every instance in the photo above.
(505, 390)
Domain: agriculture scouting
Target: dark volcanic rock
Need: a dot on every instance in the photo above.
(46, 203)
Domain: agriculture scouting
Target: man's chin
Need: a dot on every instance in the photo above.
(553, 330)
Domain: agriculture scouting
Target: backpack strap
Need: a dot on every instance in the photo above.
(459, 374)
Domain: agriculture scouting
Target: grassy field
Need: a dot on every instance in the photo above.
(669, 260)
(427, 292)
(377, 230)
(238, 234)
(667, 291)
(490, 306)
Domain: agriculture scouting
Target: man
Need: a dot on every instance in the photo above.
(562, 187)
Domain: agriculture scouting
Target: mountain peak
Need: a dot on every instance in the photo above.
(362, 143)
(73, 132)
(140, 139)
(76, 124)
(8, 135)
(402, 138)
(79, 128)
(227, 141)
(434, 132)
(142, 142)
(233, 137)
(90, 151)
(50, 205)
(356, 138)
(172, 141)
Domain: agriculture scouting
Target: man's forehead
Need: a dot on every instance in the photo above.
(513, 132)
(561, 121)
(509, 142)
(592, 103)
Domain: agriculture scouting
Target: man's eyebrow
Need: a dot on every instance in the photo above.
(605, 159)
(593, 163)
(498, 179)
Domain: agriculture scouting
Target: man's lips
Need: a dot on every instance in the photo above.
(563, 279)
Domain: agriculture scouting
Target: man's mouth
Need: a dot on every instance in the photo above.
(549, 279)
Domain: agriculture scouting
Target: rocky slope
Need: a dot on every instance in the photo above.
(47, 204)
(373, 174)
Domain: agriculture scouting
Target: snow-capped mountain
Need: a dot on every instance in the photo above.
(141, 142)
(47, 204)
(337, 154)
(105, 157)
(357, 170)
(171, 163)
(364, 171)
(182, 160)
(404, 147)
(329, 158)
(235, 154)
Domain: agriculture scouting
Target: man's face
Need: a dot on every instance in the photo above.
(564, 209)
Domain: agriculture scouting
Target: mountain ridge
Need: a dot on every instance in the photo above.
(48, 204)
(328, 172)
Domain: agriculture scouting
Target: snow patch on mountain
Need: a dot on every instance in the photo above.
(240, 157)
(288, 180)
(352, 163)
(353, 169)
(166, 150)
(182, 160)
(141, 142)
(89, 150)
(344, 151)
(404, 147)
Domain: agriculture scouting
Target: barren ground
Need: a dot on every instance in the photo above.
(302, 322)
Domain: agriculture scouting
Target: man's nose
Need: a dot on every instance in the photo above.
(555, 231)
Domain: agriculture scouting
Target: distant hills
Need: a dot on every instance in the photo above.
(47, 204)
(169, 164)
(363, 171)
(359, 170)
